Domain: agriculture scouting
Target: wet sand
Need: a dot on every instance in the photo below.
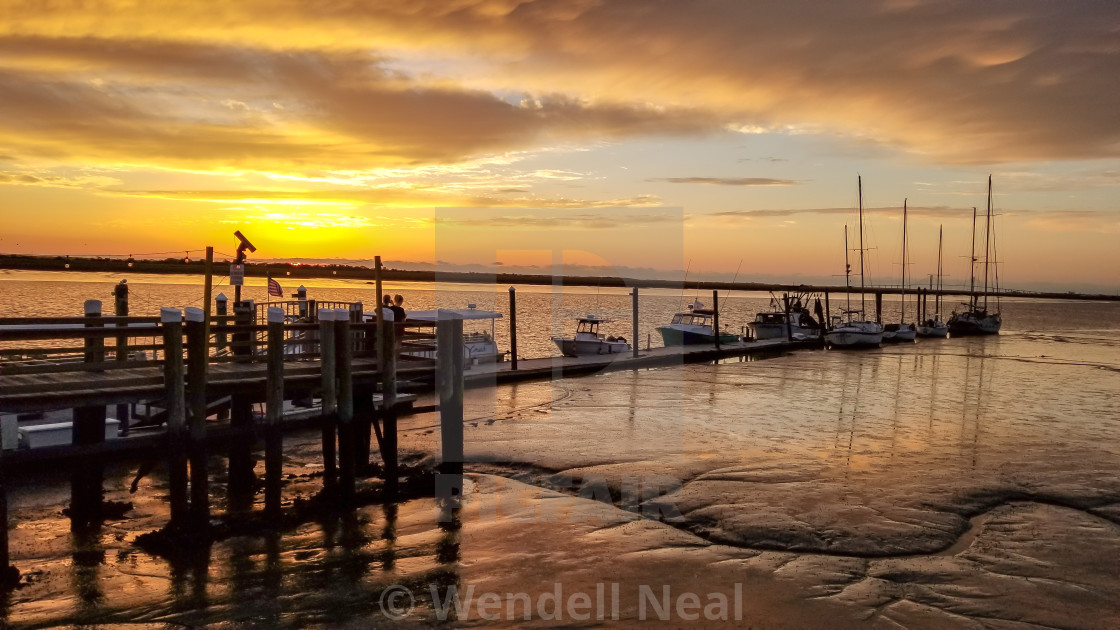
(969, 483)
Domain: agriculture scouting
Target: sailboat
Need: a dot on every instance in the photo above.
(934, 326)
(851, 329)
(976, 319)
(901, 331)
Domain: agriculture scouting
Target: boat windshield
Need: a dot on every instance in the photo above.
(690, 319)
(588, 327)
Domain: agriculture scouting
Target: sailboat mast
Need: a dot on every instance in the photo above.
(937, 297)
(987, 241)
(859, 182)
(902, 319)
(972, 263)
(847, 272)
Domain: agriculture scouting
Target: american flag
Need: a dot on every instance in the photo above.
(274, 288)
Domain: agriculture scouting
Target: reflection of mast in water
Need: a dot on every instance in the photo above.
(933, 392)
(980, 386)
(852, 417)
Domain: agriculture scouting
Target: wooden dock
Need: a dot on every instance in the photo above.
(205, 377)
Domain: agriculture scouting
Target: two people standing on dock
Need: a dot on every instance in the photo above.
(393, 304)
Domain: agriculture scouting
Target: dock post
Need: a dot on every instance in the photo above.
(634, 319)
(171, 320)
(388, 355)
(827, 316)
(879, 307)
(715, 315)
(449, 382)
(9, 575)
(243, 342)
(120, 309)
(344, 371)
(789, 321)
(221, 310)
(328, 395)
(198, 354)
(301, 295)
(513, 328)
(241, 475)
(274, 410)
(88, 428)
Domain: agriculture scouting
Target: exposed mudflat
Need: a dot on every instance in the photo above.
(961, 484)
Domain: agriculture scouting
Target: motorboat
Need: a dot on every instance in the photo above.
(588, 339)
(693, 327)
(478, 342)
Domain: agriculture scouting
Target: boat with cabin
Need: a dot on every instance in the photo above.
(588, 340)
(693, 327)
(788, 318)
(478, 339)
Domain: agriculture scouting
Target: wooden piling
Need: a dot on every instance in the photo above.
(221, 310)
(7, 571)
(634, 321)
(344, 372)
(197, 357)
(388, 445)
(879, 307)
(88, 428)
(789, 320)
(827, 323)
(449, 380)
(171, 320)
(241, 476)
(120, 309)
(274, 411)
(328, 395)
(513, 328)
(715, 315)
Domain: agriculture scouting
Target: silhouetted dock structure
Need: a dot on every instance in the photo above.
(204, 377)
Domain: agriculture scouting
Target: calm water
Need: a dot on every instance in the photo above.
(543, 311)
(947, 483)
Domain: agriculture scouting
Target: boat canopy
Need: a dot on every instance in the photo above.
(591, 319)
(450, 313)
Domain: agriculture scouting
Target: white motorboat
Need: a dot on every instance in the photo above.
(852, 329)
(478, 343)
(976, 319)
(588, 339)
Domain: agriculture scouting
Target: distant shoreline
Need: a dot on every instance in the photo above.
(355, 272)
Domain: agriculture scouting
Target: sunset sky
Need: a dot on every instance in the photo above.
(640, 135)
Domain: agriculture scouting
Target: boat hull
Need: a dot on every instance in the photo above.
(900, 333)
(853, 339)
(781, 331)
(671, 336)
(937, 330)
(582, 347)
(968, 324)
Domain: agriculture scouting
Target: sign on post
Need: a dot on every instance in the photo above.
(236, 275)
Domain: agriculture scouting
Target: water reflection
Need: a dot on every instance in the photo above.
(88, 555)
